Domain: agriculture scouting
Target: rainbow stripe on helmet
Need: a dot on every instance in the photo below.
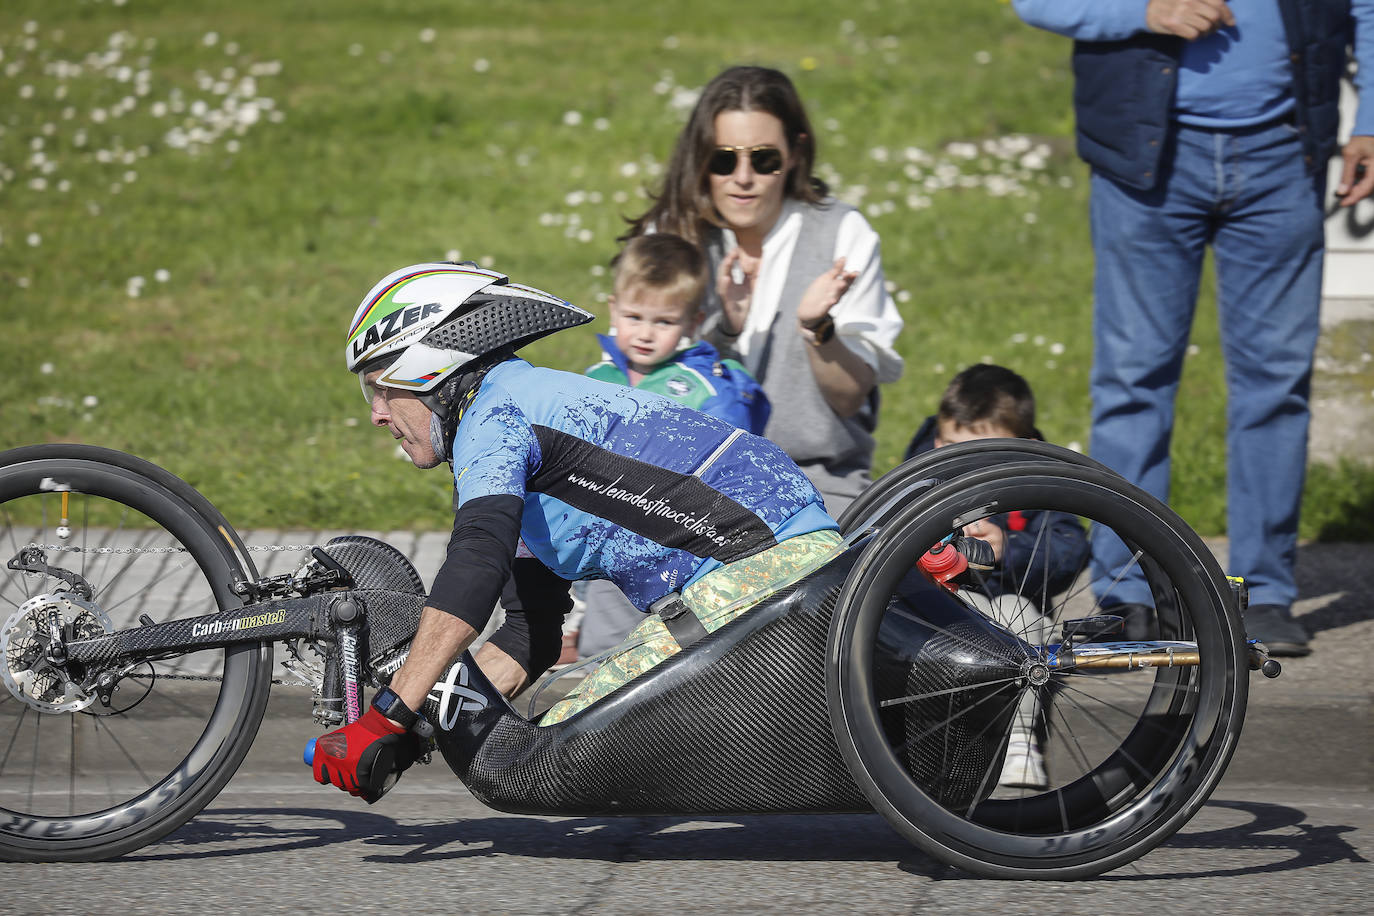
(375, 309)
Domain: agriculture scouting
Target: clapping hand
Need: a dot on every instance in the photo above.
(735, 284)
(820, 297)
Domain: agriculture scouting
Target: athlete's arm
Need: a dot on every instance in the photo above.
(465, 592)
(440, 639)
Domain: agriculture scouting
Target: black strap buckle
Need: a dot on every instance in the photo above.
(681, 620)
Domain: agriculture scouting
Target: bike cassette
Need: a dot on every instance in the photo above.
(27, 639)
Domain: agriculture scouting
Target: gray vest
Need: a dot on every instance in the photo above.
(836, 453)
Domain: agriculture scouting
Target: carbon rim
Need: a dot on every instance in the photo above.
(102, 780)
(1142, 754)
(895, 489)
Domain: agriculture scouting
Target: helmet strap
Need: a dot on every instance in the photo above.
(449, 402)
(436, 437)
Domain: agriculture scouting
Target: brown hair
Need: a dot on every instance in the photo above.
(664, 263)
(995, 395)
(683, 206)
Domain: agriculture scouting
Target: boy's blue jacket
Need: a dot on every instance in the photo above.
(696, 377)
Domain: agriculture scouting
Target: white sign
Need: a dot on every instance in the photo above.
(1349, 266)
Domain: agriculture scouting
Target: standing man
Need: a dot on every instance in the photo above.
(1211, 123)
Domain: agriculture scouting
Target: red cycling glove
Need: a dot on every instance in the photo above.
(359, 757)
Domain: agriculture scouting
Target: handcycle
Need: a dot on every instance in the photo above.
(138, 643)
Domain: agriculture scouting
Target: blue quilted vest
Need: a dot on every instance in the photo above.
(1123, 91)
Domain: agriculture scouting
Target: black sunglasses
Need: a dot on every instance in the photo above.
(765, 160)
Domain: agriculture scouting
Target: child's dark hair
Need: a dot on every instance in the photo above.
(989, 394)
(664, 263)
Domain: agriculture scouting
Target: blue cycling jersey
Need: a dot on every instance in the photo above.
(623, 484)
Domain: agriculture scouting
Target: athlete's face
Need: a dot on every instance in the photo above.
(648, 325)
(404, 416)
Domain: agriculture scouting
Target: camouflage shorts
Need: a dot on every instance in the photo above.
(717, 598)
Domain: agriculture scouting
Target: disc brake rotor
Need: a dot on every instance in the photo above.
(27, 672)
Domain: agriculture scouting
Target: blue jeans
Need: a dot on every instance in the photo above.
(1250, 196)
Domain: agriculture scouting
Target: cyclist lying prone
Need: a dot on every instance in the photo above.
(559, 477)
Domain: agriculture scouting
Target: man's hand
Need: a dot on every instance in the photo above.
(1359, 158)
(1187, 19)
(359, 757)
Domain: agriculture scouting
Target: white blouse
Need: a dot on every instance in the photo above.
(866, 318)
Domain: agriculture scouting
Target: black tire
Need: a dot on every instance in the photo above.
(1141, 750)
(895, 489)
(164, 478)
(94, 782)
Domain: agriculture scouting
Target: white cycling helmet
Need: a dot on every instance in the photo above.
(425, 322)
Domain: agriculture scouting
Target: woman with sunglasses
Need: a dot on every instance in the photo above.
(799, 295)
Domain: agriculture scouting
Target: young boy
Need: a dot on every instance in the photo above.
(660, 284)
(1039, 553)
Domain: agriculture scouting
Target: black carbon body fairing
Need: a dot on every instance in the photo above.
(958, 677)
(738, 723)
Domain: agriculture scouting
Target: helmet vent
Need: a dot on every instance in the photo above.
(501, 320)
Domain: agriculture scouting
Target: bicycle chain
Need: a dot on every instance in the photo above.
(219, 679)
(252, 548)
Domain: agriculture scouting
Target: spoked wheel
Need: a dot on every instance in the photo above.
(898, 487)
(939, 699)
(92, 540)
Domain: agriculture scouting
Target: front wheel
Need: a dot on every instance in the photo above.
(92, 541)
(987, 742)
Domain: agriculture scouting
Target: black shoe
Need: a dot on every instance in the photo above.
(1138, 622)
(1273, 625)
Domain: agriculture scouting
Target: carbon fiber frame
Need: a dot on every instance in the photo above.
(738, 723)
(265, 621)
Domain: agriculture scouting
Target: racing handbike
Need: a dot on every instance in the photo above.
(137, 643)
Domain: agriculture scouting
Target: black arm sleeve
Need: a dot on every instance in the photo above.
(536, 599)
(534, 588)
(480, 552)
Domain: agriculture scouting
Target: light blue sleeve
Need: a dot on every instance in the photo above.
(1363, 13)
(1085, 20)
(495, 449)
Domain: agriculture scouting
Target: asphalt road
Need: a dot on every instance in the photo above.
(1289, 830)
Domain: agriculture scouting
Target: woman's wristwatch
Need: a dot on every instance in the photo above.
(822, 329)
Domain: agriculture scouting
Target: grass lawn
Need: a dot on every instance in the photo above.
(194, 197)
